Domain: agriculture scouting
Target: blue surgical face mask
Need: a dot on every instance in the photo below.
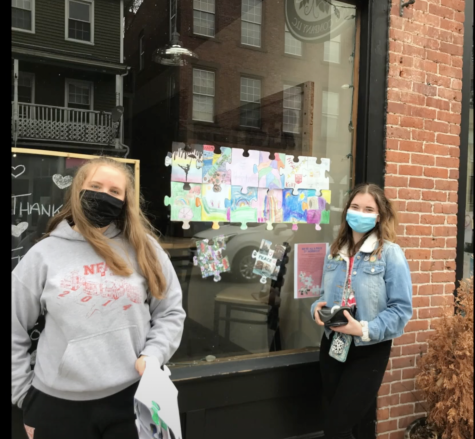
(361, 222)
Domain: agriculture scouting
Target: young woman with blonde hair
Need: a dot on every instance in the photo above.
(110, 297)
(366, 271)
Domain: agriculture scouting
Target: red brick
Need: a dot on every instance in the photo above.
(438, 57)
(420, 278)
(430, 289)
(425, 65)
(415, 326)
(432, 242)
(385, 401)
(408, 218)
(432, 219)
(451, 25)
(441, 11)
(456, 84)
(408, 145)
(390, 376)
(395, 46)
(392, 119)
(443, 254)
(412, 122)
(382, 414)
(417, 254)
(436, 149)
(395, 181)
(413, 206)
(385, 389)
(404, 422)
(441, 300)
(436, 172)
(452, 220)
(448, 94)
(451, 72)
(409, 194)
(457, 61)
(409, 50)
(446, 185)
(421, 183)
(405, 339)
(399, 157)
(434, 195)
(449, 208)
(427, 18)
(432, 266)
(392, 144)
(459, 16)
(424, 89)
(448, 139)
(395, 352)
(420, 408)
(412, 74)
(453, 197)
(451, 242)
(410, 373)
(399, 35)
(455, 129)
(382, 427)
(400, 84)
(414, 396)
(440, 127)
(413, 267)
(440, 81)
(422, 135)
(449, 117)
(402, 410)
(414, 99)
(443, 277)
(448, 162)
(425, 42)
(410, 170)
(415, 349)
(424, 336)
(441, 104)
(408, 241)
(391, 168)
(458, 5)
(452, 49)
(445, 35)
(400, 133)
(429, 313)
(396, 435)
(418, 302)
(390, 192)
(422, 159)
(445, 231)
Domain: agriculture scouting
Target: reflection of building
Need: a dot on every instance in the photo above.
(252, 85)
(67, 73)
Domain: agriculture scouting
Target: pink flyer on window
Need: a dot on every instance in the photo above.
(308, 270)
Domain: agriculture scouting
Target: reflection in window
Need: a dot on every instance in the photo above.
(141, 52)
(26, 83)
(79, 20)
(330, 111)
(203, 95)
(173, 15)
(292, 109)
(251, 21)
(22, 14)
(250, 102)
(203, 17)
(292, 45)
(79, 95)
(331, 50)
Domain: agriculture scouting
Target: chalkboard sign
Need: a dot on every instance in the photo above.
(39, 182)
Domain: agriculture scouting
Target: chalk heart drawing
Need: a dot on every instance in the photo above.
(62, 182)
(21, 170)
(18, 229)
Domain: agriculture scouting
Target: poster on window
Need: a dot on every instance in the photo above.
(308, 272)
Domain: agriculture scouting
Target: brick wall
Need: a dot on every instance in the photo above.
(422, 169)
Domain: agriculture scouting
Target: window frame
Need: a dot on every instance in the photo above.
(78, 82)
(33, 80)
(258, 24)
(201, 94)
(287, 85)
(205, 12)
(287, 32)
(339, 50)
(173, 14)
(141, 51)
(90, 3)
(32, 30)
(326, 115)
(244, 103)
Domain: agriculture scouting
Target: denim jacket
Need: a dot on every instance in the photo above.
(382, 287)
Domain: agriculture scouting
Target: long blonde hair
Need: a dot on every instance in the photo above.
(385, 229)
(135, 227)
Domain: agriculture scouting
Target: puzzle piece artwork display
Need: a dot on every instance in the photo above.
(228, 186)
(268, 260)
(210, 257)
(185, 204)
(244, 206)
(244, 170)
(215, 170)
(186, 163)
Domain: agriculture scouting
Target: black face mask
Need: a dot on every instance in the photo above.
(100, 208)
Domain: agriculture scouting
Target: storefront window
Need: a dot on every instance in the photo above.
(261, 83)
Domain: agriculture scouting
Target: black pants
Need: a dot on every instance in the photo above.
(351, 387)
(107, 418)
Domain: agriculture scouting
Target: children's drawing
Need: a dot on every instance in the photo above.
(269, 171)
(269, 208)
(215, 169)
(210, 257)
(295, 207)
(268, 260)
(185, 204)
(316, 213)
(216, 203)
(244, 170)
(243, 206)
(186, 164)
(306, 173)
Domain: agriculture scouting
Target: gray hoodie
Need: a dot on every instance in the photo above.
(96, 323)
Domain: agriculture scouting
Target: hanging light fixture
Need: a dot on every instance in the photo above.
(173, 54)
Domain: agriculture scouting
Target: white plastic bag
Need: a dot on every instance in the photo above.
(156, 404)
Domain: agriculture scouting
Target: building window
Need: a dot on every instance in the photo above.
(141, 52)
(330, 112)
(250, 102)
(26, 88)
(23, 15)
(80, 20)
(79, 94)
(173, 10)
(251, 21)
(203, 95)
(292, 109)
(203, 17)
(292, 45)
(331, 50)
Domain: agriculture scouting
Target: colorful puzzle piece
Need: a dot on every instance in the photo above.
(270, 207)
(185, 204)
(268, 260)
(186, 163)
(210, 257)
(244, 206)
(269, 171)
(244, 170)
(216, 203)
(305, 173)
(215, 169)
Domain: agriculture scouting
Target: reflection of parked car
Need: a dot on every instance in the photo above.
(241, 243)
